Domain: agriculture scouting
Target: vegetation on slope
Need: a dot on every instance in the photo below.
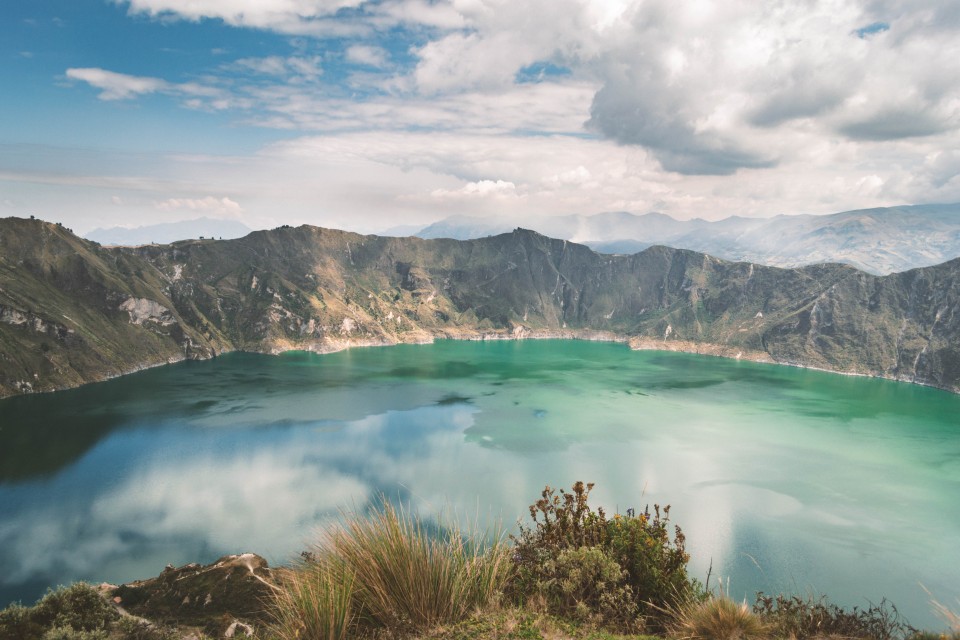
(572, 573)
(74, 312)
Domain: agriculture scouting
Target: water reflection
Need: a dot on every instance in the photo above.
(253, 453)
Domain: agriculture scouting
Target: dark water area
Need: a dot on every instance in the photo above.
(786, 479)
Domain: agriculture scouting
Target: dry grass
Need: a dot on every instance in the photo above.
(407, 576)
(315, 602)
(717, 618)
(386, 570)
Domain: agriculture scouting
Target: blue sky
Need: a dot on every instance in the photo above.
(371, 114)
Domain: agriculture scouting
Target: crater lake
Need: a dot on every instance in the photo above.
(784, 479)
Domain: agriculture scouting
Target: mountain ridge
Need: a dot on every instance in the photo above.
(72, 311)
(880, 240)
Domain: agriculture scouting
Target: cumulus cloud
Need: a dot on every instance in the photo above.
(705, 108)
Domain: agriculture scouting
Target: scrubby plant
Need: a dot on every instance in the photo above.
(653, 564)
(656, 565)
(16, 623)
(589, 585)
(78, 609)
(716, 618)
(816, 617)
(131, 628)
(69, 633)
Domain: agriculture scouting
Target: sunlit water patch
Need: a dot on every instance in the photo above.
(785, 479)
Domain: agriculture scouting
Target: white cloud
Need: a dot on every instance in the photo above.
(481, 189)
(305, 68)
(754, 83)
(286, 16)
(704, 108)
(117, 86)
(120, 86)
(218, 207)
(367, 55)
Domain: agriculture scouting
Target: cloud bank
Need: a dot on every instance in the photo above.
(704, 109)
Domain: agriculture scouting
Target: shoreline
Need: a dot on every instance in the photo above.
(635, 343)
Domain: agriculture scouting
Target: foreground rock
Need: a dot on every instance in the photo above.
(225, 599)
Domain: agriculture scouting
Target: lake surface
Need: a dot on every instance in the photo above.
(786, 479)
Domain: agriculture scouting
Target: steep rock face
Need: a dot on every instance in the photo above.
(72, 312)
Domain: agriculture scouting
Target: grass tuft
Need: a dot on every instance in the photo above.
(717, 618)
(315, 602)
(387, 570)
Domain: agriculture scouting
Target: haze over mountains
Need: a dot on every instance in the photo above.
(72, 311)
(879, 241)
(167, 232)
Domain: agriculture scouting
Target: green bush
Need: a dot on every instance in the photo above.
(588, 585)
(77, 609)
(130, 628)
(69, 633)
(656, 565)
(16, 623)
(652, 564)
(78, 606)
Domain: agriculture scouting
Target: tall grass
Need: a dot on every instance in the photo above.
(717, 618)
(388, 570)
(315, 602)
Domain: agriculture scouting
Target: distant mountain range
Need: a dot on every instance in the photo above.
(168, 232)
(878, 241)
(72, 311)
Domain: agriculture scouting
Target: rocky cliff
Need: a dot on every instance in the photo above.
(74, 312)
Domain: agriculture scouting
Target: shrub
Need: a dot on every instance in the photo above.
(716, 618)
(69, 633)
(130, 628)
(16, 624)
(79, 607)
(653, 566)
(589, 585)
(78, 610)
(815, 617)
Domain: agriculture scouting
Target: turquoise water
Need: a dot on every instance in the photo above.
(786, 479)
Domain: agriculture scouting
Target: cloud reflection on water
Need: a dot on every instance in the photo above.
(806, 501)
